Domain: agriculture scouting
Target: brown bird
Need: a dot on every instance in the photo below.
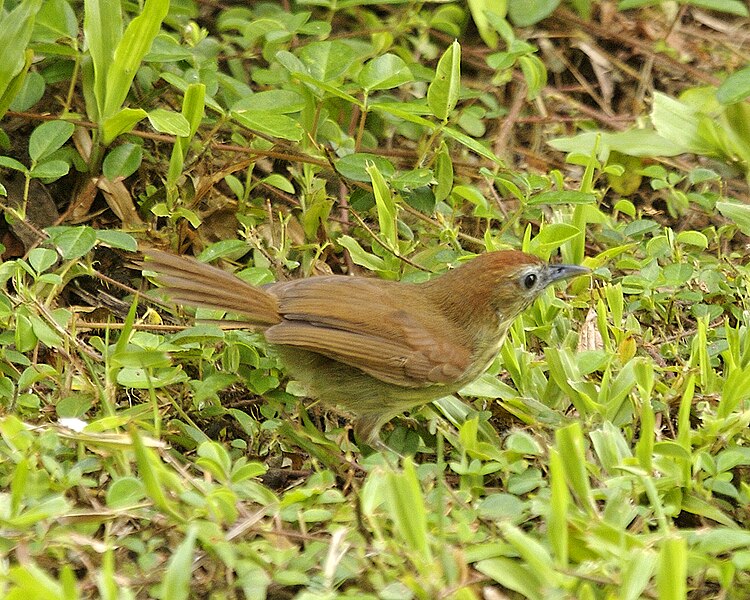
(375, 347)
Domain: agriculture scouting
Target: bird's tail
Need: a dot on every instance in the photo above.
(191, 282)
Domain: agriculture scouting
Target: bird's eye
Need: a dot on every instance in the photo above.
(529, 281)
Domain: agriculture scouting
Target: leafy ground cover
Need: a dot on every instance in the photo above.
(604, 455)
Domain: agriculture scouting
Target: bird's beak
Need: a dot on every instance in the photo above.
(560, 272)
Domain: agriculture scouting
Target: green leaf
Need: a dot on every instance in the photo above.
(280, 182)
(472, 144)
(56, 20)
(671, 571)
(407, 509)
(562, 197)
(635, 142)
(680, 124)
(384, 72)
(327, 60)
(692, 238)
(525, 13)
(121, 122)
(52, 169)
(354, 166)
(72, 242)
(272, 124)
(552, 236)
(123, 161)
(135, 43)
(29, 93)
(535, 74)
(33, 582)
(12, 163)
(482, 13)
(735, 88)
(570, 446)
(277, 101)
(41, 259)
(732, 7)
(117, 239)
(194, 106)
(125, 492)
(16, 26)
(360, 256)
(443, 173)
(442, 95)
(739, 214)
(512, 575)
(167, 121)
(48, 138)
(102, 28)
(386, 207)
(15, 85)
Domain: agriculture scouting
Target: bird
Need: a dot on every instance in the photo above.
(373, 347)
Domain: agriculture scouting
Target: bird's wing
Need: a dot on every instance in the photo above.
(352, 320)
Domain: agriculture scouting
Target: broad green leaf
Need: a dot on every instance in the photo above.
(551, 237)
(535, 74)
(442, 94)
(569, 444)
(278, 101)
(178, 576)
(692, 238)
(481, 11)
(514, 575)
(167, 121)
(524, 13)
(72, 242)
(562, 197)
(732, 7)
(272, 124)
(125, 492)
(354, 166)
(384, 72)
(280, 182)
(327, 60)
(12, 163)
(135, 43)
(407, 509)
(31, 91)
(121, 122)
(117, 239)
(738, 213)
(50, 170)
(472, 144)
(16, 26)
(735, 88)
(41, 259)
(360, 256)
(637, 573)
(102, 28)
(16, 84)
(635, 142)
(671, 570)
(386, 206)
(194, 106)
(33, 582)
(48, 138)
(557, 521)
(443, 173)
(122, 161)
(56, 19)
(680, 124)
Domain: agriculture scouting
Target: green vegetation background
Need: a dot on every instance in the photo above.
(605, 454)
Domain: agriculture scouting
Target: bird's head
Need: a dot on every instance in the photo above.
(503, 282)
